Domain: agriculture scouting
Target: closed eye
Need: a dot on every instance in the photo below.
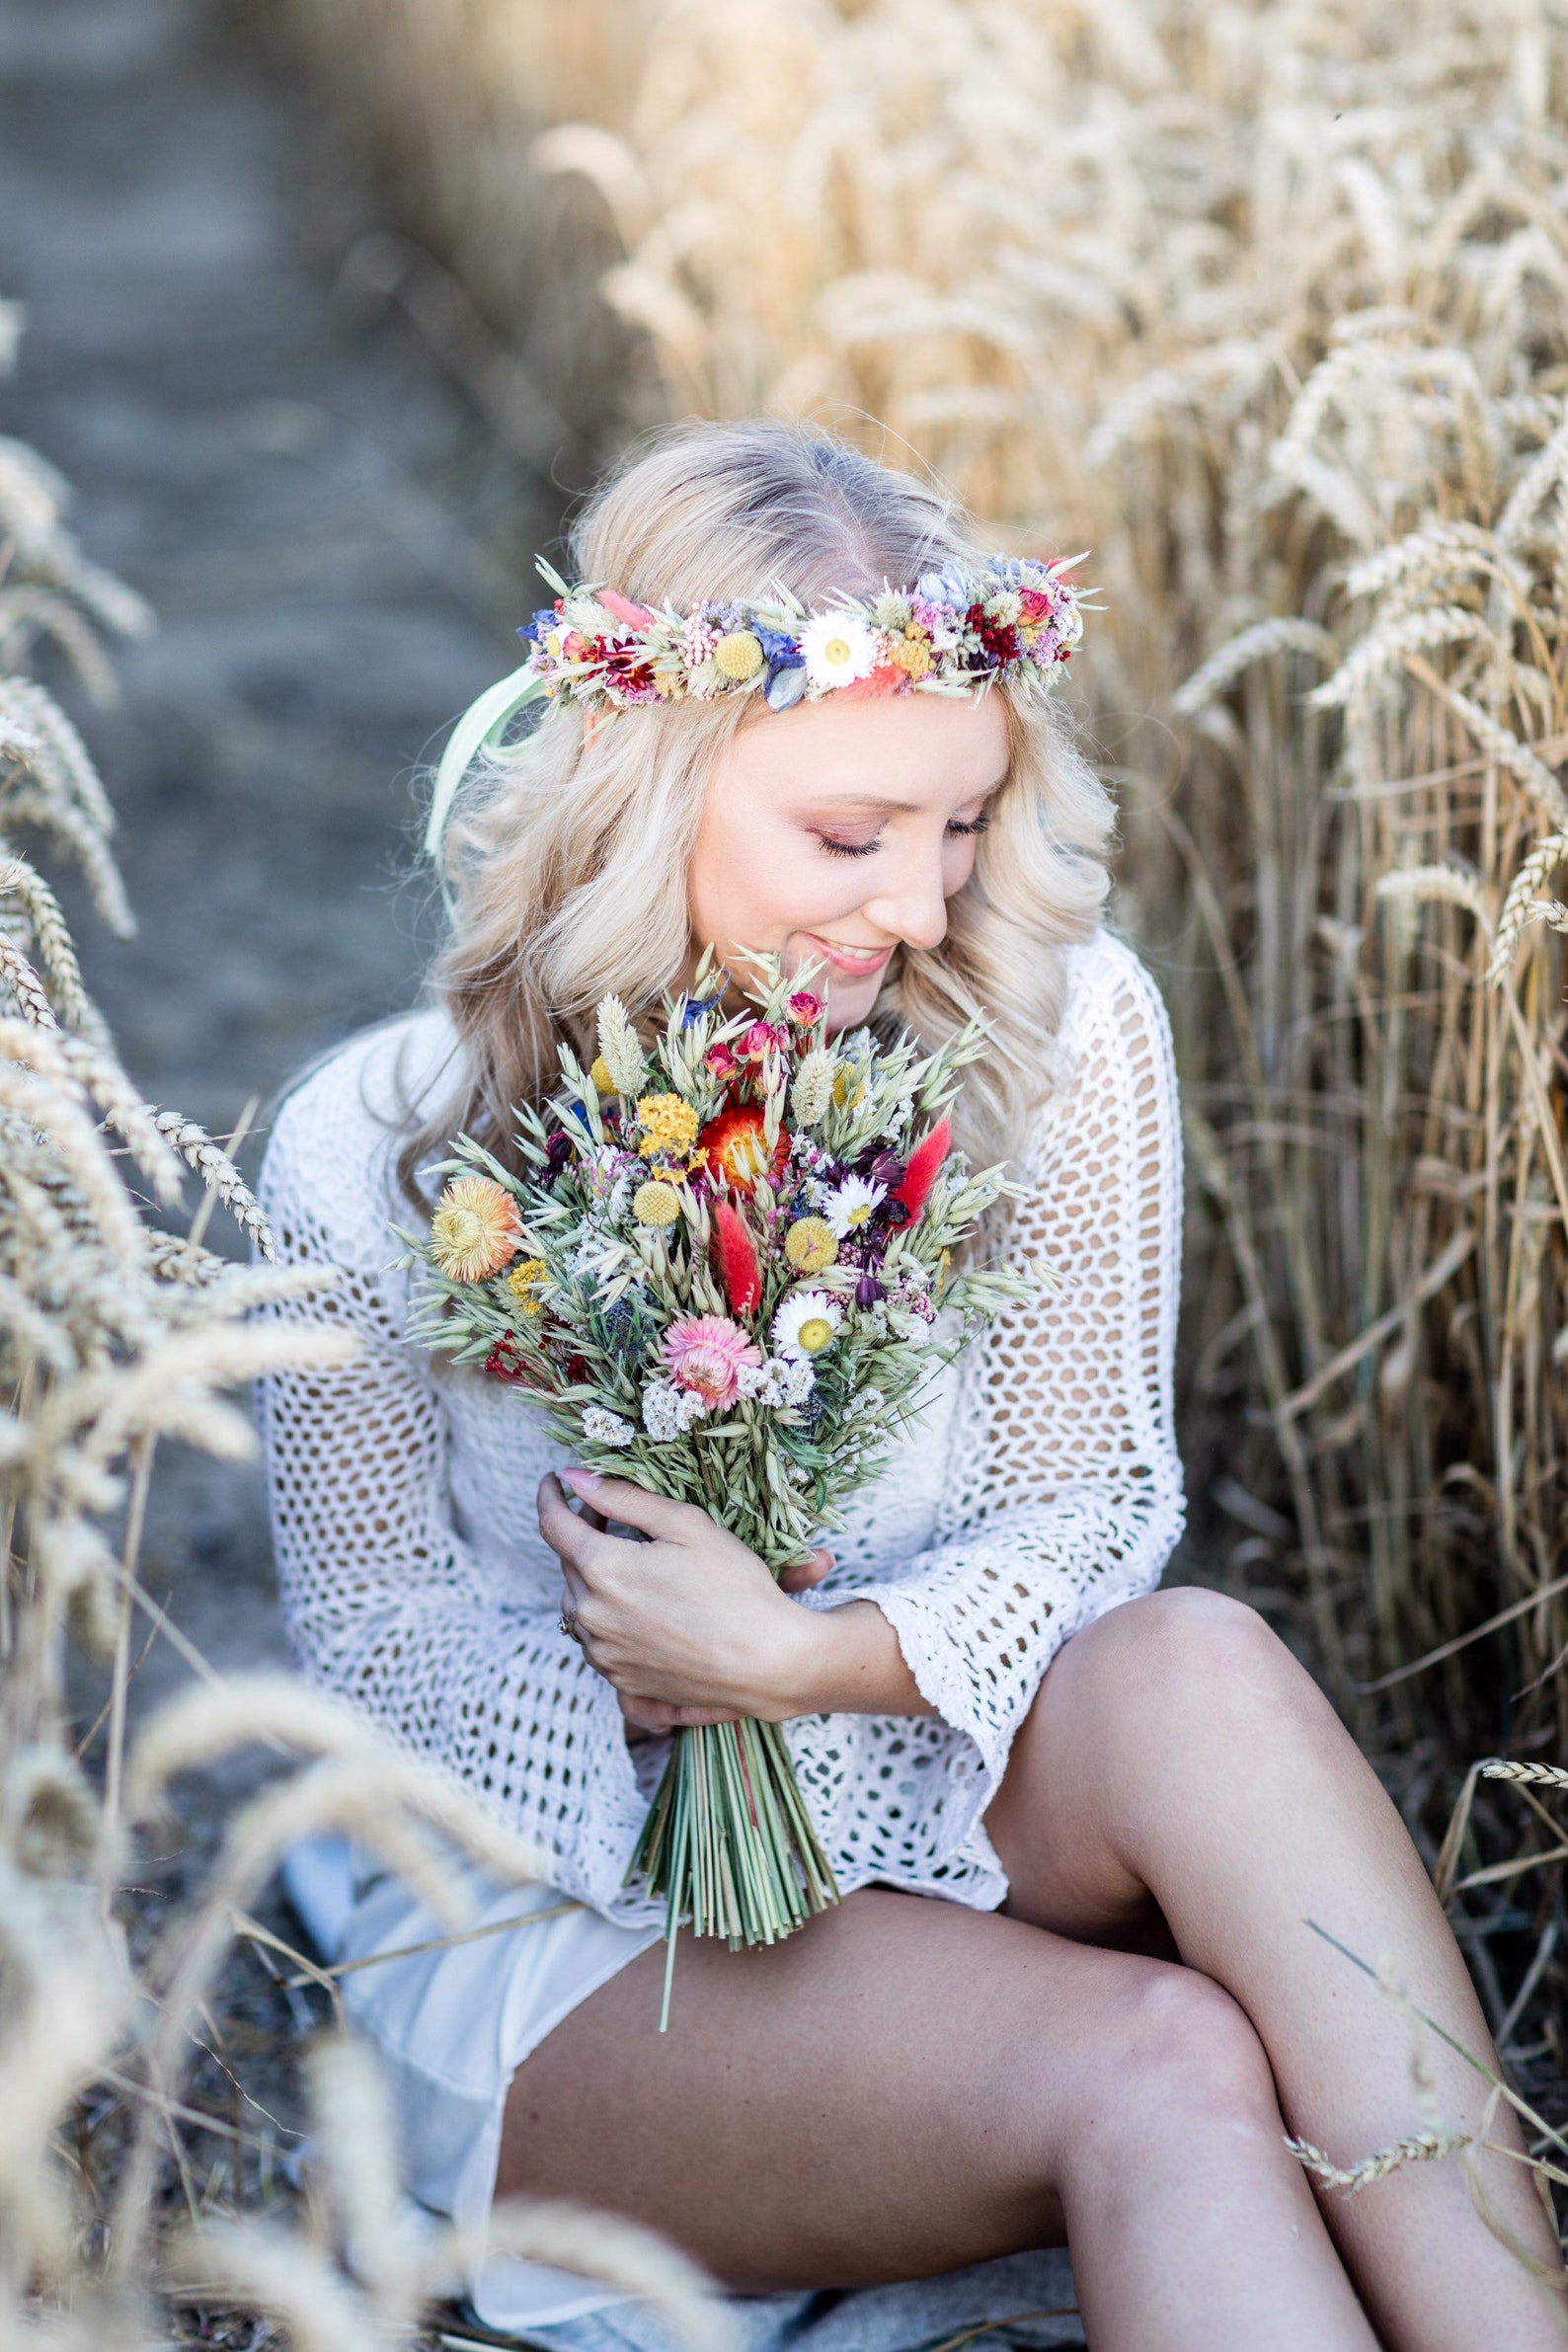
(957, 829)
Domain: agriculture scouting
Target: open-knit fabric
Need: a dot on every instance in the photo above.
(1040, 1486)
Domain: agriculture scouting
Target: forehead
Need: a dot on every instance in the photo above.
(905, 748)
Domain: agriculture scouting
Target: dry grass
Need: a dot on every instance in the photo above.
(132, 2207)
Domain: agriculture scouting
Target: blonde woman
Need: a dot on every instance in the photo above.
(1079, 1824)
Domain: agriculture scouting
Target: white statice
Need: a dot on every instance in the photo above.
(851, 1204)
(838, 648)
(805, 1323)
(781, 1380)
(607, 1428)
(668, 1412)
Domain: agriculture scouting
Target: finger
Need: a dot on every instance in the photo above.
(568, 1535)
(801, 1575)
(633, 1506)
(647, 1714)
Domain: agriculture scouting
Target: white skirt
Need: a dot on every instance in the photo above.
(453, 2027)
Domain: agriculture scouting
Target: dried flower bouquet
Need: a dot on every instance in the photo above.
(720, 1276)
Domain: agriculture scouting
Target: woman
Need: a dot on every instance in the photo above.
(1079, 1824)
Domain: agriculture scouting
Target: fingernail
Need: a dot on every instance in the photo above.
(579, 1479)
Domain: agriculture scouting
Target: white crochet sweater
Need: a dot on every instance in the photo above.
(1040, 1488)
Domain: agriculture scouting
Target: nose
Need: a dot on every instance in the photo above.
(912, 904)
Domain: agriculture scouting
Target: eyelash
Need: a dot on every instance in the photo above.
(836, 849)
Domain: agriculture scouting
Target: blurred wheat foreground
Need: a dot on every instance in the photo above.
(132, 2211)
(1267, 305)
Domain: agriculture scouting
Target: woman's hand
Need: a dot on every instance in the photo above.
(692, 1629)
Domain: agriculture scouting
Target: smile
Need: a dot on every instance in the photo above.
(858, 959)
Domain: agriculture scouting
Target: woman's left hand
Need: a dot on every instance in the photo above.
(689, 1626)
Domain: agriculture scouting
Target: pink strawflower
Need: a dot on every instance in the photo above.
(803, 1008)
(705, 1354)
(719, 1063)
(760, 1040)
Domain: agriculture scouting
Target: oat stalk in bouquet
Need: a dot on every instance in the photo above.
(720, 1276)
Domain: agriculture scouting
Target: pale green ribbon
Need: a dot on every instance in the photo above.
(482, 728)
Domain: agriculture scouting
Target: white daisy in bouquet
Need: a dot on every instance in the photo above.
(720, 1276)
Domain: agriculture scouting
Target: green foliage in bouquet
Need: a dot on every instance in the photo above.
(721, 1276)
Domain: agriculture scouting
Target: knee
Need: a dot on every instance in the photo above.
(1187, 1658)
(1179, 2062)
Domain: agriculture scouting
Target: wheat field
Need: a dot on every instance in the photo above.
(1267, 306)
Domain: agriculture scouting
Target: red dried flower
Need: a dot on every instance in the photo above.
(736, 1258)
(737, 1146)
(924, 1165)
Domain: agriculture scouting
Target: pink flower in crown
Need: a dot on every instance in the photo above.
(719, 1063)
(803, 1008)
(635, 616)
(760, 1040)
(706, 1354)
(698, 641)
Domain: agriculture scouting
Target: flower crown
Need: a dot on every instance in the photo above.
(952, 633)
(1015, 621)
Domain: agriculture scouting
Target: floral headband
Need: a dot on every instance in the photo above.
(1015, 621)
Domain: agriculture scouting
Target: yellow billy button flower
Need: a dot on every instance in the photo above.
(810, 1245)
(738, 655)
(600, 1075)
(668, 1123)
(474, 1230)
(656, 1205)
(524, 1283)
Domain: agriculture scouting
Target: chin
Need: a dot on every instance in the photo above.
(850, 1003)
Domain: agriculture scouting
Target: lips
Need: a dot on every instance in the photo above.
(855, 962)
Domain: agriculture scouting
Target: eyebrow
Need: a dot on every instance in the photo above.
(874, 803)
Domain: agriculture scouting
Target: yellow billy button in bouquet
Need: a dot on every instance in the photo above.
(717, 1275)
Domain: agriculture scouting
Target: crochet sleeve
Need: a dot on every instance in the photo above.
(384, 1600)
(1063, 1488)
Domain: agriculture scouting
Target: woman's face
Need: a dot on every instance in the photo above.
(834, 832)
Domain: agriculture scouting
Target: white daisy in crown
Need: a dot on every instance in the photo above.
(805, 1323)
(851, 1204)
(838, 648)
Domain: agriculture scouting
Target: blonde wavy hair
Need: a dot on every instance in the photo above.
(568, 855)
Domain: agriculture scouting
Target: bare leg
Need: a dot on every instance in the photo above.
(907, 2086)
(1177, 1751)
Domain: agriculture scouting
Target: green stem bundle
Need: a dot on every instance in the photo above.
(729, 1842)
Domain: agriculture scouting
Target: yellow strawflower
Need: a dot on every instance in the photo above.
(911, 653)
(474, 1230)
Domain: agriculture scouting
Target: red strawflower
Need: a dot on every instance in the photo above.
(736, 1257)
(925, 1162)
(737, 1146)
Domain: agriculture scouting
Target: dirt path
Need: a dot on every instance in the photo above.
(329, 537)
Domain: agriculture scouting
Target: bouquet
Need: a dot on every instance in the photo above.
(719, 1276)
